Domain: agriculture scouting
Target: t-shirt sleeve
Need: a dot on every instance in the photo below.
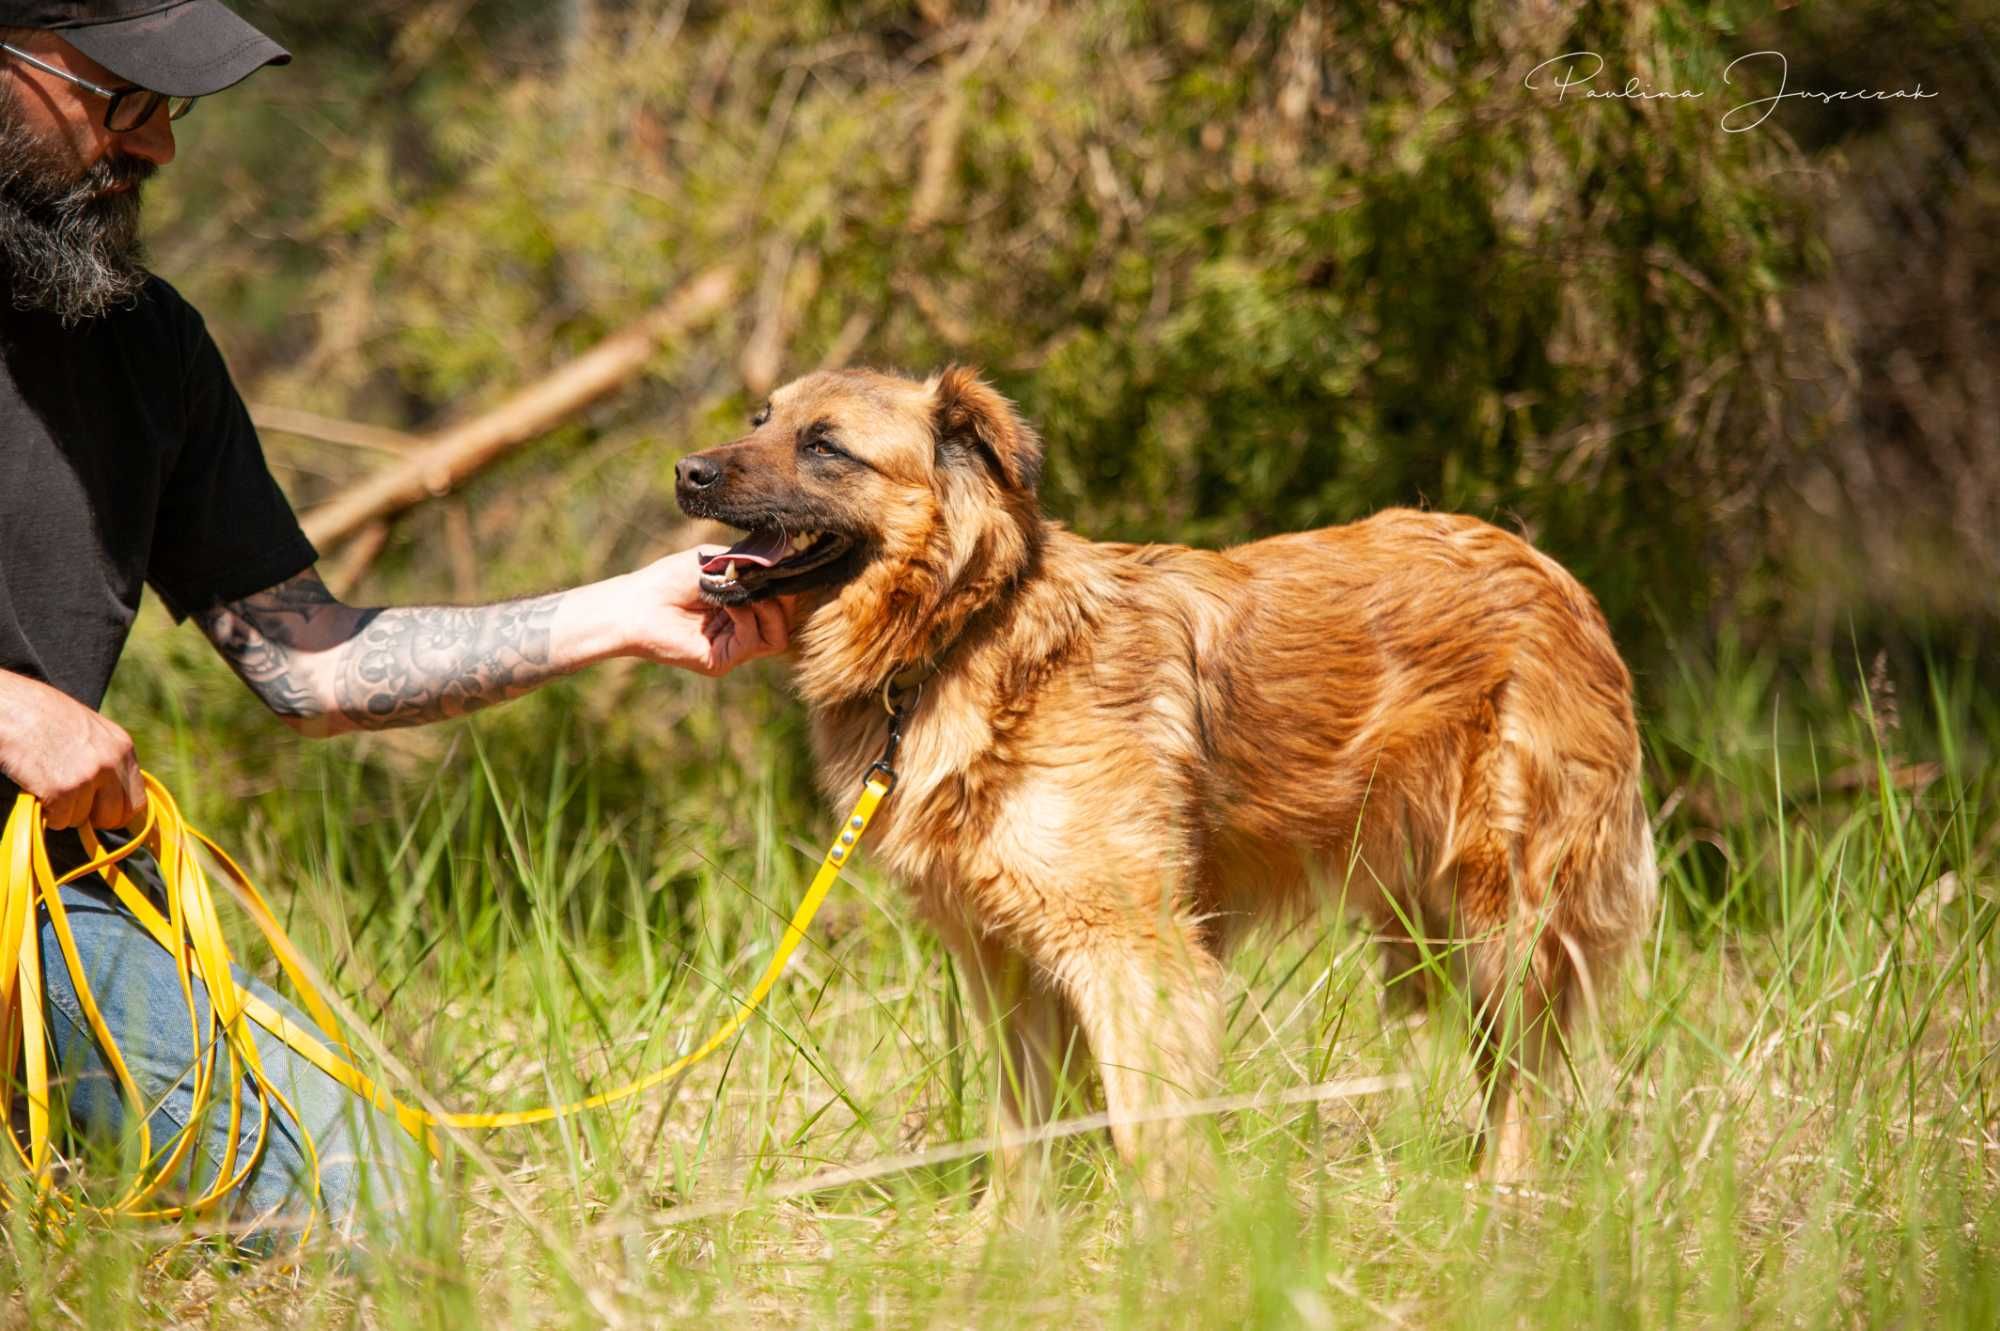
(225, 530)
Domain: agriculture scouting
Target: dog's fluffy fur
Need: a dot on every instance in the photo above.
(1124, 755)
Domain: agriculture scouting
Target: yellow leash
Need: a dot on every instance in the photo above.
(190, 930)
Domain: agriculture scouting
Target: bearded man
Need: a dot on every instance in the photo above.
(127, 458)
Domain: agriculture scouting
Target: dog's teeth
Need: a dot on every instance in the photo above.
(729, 574)
(803, 543)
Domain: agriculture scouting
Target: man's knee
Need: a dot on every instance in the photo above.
(323, 1151)
(353, 1165)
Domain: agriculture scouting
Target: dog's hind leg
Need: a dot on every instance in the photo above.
(1518, 1044)
(1149, 1000)
(1590, 892)
(1518, 973)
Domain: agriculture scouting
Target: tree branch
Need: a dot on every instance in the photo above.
(458, 453)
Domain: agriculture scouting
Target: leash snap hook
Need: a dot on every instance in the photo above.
(897, 700)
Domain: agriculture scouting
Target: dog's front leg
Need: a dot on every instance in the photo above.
(1033, 1038)
(1149, 1000)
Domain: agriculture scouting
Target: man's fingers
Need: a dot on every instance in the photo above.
(739, 633)
(109, 807)
(134, 786)
(773, 627)
(66, 810)
(130, 784)
(748, 629)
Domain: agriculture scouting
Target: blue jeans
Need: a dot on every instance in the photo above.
(367, 1163)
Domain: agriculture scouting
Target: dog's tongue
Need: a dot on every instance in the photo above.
(761, 548)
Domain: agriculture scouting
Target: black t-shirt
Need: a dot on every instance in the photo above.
(126, 457)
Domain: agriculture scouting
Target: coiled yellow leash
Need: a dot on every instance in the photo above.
(191, 932)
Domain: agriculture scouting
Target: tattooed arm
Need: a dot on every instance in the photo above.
(327, 668)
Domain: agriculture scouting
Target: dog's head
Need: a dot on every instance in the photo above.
(903, 505)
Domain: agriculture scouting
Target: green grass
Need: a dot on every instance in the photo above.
(1790, 1116)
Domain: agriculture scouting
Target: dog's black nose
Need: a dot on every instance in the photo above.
(696, 473)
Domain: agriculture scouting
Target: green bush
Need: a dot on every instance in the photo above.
(1251, 267)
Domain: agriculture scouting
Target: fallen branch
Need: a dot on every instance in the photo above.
(331, 430)
(458, 453)
(1352, 1088)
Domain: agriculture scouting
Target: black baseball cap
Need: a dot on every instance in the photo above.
(183, 48)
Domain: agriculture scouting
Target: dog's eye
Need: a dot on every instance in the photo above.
(763, 414)
(818, 441)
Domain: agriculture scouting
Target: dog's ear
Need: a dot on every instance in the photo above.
(973, 420)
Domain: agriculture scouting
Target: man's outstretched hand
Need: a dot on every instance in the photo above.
(671, 623)
(80, 766)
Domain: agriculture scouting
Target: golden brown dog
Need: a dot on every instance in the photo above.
(1123, 755)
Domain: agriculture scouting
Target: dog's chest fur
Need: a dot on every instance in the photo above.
(1033, 755)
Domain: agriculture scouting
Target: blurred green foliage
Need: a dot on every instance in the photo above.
(1251, 267)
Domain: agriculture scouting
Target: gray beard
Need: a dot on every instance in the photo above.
(66, 247)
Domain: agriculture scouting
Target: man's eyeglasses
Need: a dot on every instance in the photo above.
(126, 109)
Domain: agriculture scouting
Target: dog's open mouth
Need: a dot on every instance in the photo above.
(764, 559)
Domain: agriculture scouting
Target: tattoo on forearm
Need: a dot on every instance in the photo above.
(418, 664)
(259, 635)
(306, 655)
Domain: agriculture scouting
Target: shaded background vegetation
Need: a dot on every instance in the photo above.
(1252, 267)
